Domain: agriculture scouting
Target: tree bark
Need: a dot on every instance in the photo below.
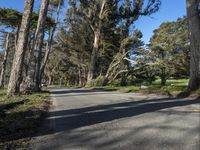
(15, 77)
(49, 43)
(163, 81)
(4, 61)
(97, 33)
(39, 41)
(194, 28)
(93, 56)
(16, 36)
(26, 85)
(80, 77)
(163, 77)
(50, 80)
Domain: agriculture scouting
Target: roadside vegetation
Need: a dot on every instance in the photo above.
(173, 87)
(93, 44)
(20, 117)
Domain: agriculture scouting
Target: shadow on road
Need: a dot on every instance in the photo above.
(79, 91)
(76, 118)
(70, 119)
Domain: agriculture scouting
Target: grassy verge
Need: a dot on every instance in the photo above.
(20, 117)
(172, 88)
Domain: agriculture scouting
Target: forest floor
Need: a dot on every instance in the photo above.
(20, 118)
(84, 119)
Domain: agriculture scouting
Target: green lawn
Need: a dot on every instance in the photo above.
(179, 82)
(172, 86)
(20, 116)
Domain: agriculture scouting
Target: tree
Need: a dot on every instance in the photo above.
(52, 30)
(4, 60)
(12, 18)
(129, 45)
(170, 48)
(39, 37)
(194, 28)
(129, 12)
(15, 77)
(95, 12)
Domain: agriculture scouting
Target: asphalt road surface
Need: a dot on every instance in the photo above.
(96, 120)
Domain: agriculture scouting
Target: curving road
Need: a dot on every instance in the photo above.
(95, 120)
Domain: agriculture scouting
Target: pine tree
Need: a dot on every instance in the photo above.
(16, 72)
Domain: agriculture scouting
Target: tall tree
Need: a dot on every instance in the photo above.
(4, 61)
(39, 37)
(15, 78)
(194, 27)
(57, 5)
(129, 12)
(169, 45)
(95, 12)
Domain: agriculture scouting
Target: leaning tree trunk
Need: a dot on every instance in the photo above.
(93, 56)
(39, 41)
(49, 43)
(4, 61)
(16, 72)
(194, 27)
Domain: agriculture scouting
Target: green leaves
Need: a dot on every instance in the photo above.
(170, 46)
(12, 18)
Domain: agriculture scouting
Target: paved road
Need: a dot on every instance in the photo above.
(94, 120)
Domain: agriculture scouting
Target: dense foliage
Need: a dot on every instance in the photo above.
(95, 43)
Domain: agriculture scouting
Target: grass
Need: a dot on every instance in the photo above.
(173, 87)
(171, 82)
(20, 117)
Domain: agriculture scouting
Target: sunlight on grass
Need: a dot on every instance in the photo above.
(196, 110)
(181, 82)
(172, 85)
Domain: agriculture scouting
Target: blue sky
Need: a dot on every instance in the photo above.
(170, 10)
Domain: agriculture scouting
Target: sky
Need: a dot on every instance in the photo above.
(170, 10)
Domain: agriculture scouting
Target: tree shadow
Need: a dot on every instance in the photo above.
(4, 107)
(78, 91)
(67, 93)
(21, 124)
(70, 119)
(67, 121)
(77, 118)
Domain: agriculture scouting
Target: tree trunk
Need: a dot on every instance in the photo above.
(194, 27)
(26, 85)
(39, 41)
(163, 81)
(93, 57)
(50, 80)
(16, 36)
(80, 77)
(4, 61)
(163, 77)
(49, 44)
(125, 34)
(14, 82)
